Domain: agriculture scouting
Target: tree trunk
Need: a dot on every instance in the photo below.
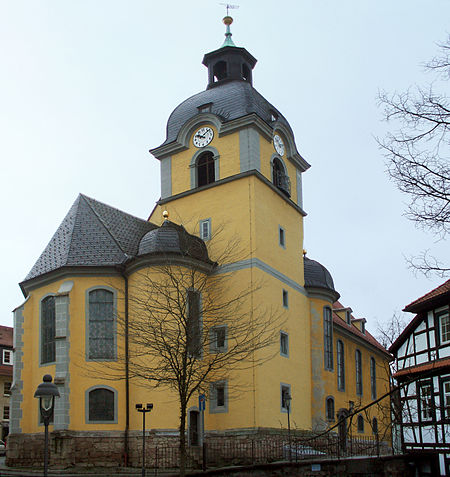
(182, 438)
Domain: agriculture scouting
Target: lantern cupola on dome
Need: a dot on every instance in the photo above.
(229, 62)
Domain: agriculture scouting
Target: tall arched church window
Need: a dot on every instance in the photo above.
(280, 178)
(329, 404)
(48, 325)
(358, 370)
(205, 169)
(373, 378)
(193, 325)
(220, 70)
(101, 324)
(328, 338)
(340, 366)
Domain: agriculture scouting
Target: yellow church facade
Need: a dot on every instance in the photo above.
(231, 183)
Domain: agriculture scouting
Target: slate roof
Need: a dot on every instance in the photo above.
(91, 234)
(230, 100)
(316, 275)
(173, 238)
(429, 297)
(354, 330)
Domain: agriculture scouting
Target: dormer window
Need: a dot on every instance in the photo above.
(273, 116)
(348, 317)
(280, 178)
(246, 73)
(205, 169)
(220, 71)
(205, 108)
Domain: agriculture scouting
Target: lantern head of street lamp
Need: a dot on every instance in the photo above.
(149, 406)
(46, 392)
(138, 406)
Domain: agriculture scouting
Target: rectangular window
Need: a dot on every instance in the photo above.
(48, 330)
(444, 324)
(7, 356)
(101, 324)
(446, 391)
(285, 397)
(218, 401)
(6, 413)
(281, 237)
(328, 338)
(340, 366)
(218, 339)
(358, 370)
(193, 334)
(373, 378)
(205, 229)
(285, 299)
(426, 401)
(284, 344)
(7, 389)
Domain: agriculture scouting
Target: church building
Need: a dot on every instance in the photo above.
(231, 208)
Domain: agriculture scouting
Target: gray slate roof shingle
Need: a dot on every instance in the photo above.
(230, 100)
(316, 275)
(91, 234)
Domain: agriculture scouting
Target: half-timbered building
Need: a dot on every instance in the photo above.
(422, 355)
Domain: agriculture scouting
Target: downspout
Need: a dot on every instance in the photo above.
(127, 374)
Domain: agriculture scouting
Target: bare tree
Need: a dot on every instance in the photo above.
(190, 328)
(388, 331)
(417, 154)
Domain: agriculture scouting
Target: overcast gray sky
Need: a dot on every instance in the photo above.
(86, 89)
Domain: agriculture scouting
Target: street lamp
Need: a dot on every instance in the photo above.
(46, 392)
(288, 399)
(144, 410)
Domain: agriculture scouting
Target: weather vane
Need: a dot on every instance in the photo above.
(229, 6)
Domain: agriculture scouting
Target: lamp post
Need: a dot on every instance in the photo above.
(46, 392)
(144, 410)
(288, 400)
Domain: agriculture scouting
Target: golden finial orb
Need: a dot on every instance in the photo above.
(166, 215)
(304, 252)
(227, 20)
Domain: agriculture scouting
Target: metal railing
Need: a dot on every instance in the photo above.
(245, 451)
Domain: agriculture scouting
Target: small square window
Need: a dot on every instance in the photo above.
(7, 389)
(205, 229)
(285, 395)
(218, 401)
(218, 339)
(6, 413)
(285, 299)
(7, 356)
(284, 344)
(282, 237)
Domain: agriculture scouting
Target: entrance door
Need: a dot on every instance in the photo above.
(194, 428)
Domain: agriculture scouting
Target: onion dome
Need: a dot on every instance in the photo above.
(171, 238)
(318, 279)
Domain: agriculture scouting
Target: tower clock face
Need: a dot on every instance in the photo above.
(278, 144)
(203, 137)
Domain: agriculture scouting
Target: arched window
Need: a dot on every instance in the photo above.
(328, 338)
(101, 324)
(373, 378)
(220, 70)
(280, 178)
(101, 405)
(246, 73)
(340, 366)
(205, 169)
(375, 425)
(329, 404)
(48, 319)
(360, 423)
(358, 371)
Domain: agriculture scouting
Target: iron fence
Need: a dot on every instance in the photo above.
(245, 451)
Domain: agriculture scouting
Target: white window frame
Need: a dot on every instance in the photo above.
(426, 401)
(9, 353)
(213, 339)
(7, 392)
(444, 316)
(205, 229)
(446, 399)
(214, 407)
(284, 337)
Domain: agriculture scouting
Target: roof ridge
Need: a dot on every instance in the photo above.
(85, 198)
(425, 295)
